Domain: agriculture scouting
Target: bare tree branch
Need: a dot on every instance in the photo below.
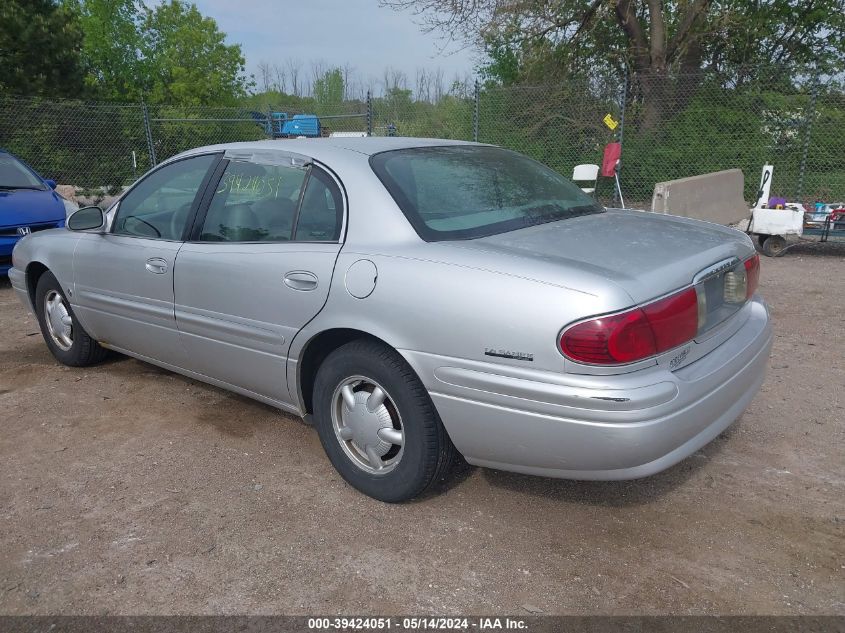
(696, 9)
(627, 19)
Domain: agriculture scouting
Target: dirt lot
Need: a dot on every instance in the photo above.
(127, 489)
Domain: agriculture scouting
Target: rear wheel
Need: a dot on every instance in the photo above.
(377, 423)
(774, 246)
(65, 338)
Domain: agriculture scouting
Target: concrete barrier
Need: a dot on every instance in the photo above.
(715, 197)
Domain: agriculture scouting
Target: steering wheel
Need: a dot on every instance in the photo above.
(144, 222)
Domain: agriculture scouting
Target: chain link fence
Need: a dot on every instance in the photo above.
(107, 146)
(669, 127)
(85, 144)
(560, 125)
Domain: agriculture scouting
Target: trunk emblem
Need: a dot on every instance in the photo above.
(715, 270)
(24, 230)
(680, 358)
(506, 353)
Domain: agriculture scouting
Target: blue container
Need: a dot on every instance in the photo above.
(302, 125)
(278, 120)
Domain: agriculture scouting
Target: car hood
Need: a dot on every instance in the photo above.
(21, 207)
(646, 254)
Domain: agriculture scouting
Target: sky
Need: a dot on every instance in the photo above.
(336, 32)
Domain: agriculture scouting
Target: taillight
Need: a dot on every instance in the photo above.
(673, 319)
(635, 334)
(752, 275)
(620, 338)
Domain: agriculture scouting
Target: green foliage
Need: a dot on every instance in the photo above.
(167, 53)
(113, 48)
(729, 39)
(739, 35)
(75, 143)
(451, 117)
(173, 131)
(504, 65)
(40, 43)
(557, 125)
(825, 178)
(279, 101)
(731, 42)
(188, 61)
(328, 89)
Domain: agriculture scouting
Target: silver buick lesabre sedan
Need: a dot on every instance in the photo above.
(417, 299)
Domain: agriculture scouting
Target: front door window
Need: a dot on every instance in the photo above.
(160, 205)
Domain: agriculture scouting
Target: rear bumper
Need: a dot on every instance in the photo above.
(598, 427)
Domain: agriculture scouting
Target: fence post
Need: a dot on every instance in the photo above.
(477, 98)
(809, 115)
(148, 132)
(369, 113)
(622, 106)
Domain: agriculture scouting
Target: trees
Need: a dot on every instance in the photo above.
(167, 53)
(112, 48)
(40, 44)
(329, 88)
(188, 59)
(655, 39)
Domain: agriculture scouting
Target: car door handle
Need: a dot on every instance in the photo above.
(156, 265)
(301, 280)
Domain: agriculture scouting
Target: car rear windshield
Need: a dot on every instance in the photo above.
(468, 191)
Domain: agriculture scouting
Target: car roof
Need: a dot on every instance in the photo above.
(325, 149)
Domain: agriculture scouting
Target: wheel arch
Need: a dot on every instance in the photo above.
(315, 352)
(34, 270)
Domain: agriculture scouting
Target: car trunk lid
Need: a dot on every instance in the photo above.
(648, 255)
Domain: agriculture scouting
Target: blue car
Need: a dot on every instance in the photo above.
(28, 203)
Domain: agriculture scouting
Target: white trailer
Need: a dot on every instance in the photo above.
(772, 226)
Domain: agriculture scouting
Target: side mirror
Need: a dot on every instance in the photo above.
(86, 219)
(51, 183)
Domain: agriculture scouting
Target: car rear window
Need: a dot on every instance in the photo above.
(468, 191)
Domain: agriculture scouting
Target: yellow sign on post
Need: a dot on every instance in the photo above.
(610, 122)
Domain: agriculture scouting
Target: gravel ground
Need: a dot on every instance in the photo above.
(130, 490)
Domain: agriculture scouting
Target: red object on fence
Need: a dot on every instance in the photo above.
(612, 153)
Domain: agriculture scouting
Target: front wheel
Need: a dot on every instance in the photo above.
(377, 423)
(68, 342)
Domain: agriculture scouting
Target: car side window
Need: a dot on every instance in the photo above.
(321, 214)
(254, 203)
(159, 206)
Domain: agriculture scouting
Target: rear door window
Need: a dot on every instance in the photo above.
(254, 203)
(320, 216)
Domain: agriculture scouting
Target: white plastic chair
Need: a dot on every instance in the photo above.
(586, 174)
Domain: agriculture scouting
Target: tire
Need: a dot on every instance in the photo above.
(761, 239)
(65, 338)
(774, 246)
(360, 442)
